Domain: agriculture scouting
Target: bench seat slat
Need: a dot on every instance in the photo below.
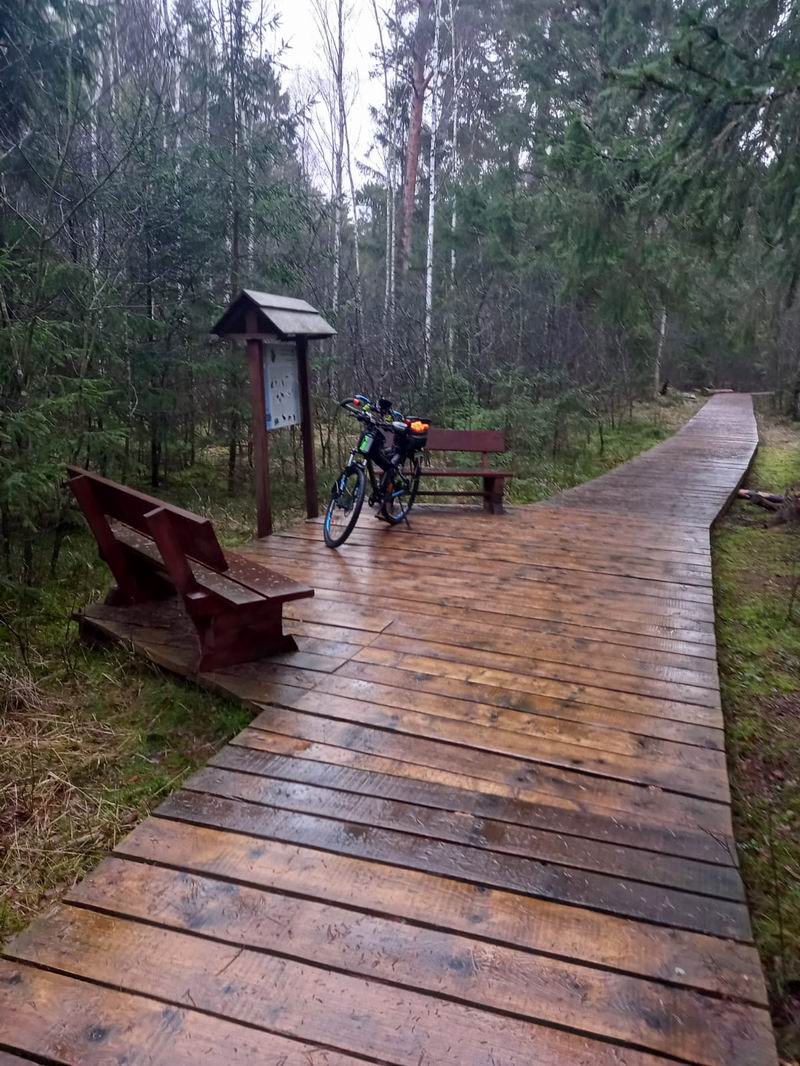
(208, 579)
(252, 586)
(251, 575)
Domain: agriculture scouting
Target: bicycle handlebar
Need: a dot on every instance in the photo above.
(362, 408)
(363, 414)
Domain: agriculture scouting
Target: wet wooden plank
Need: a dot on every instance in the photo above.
(671, 955)
(527, 547)
(674, 908)
(60, 1019)
(629, 594)
(664, 682)
(574, 613)
(538, 720)
(510, 803)
(705, 781)
(580, 650)
(533, 987)
(235, 776)
(700, 706)
(519, 776)
(630, 721)
(306, 1003)
(499, 559)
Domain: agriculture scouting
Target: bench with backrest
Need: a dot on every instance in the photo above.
(485, 441)
(155, 550)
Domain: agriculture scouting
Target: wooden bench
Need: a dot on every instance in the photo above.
(485, 441)
(155, 550)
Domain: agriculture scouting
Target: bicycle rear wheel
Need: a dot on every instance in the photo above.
(401, 490)
(347, 498)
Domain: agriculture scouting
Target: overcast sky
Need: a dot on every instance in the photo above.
(298, 29)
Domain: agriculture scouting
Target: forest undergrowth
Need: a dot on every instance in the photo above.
(757, 595)
(93, 737)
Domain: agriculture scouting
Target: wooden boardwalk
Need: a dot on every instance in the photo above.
(481, 817)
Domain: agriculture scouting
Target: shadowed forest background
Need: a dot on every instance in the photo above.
(577, 202)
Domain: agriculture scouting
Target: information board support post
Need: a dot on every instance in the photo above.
(307, 429)
(255, 362)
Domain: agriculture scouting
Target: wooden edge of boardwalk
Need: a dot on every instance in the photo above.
(481, 815)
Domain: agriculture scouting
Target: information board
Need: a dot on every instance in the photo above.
(281, 388)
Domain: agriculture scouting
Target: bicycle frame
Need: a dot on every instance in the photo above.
(357, 458)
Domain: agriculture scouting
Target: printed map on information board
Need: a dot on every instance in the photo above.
(281, 389)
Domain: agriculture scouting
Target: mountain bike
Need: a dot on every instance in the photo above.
(389, 443)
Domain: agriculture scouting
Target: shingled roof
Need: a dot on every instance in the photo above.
(281, 315)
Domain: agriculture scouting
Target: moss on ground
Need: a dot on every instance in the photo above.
(756, 566)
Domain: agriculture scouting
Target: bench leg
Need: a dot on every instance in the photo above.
(231, 637)
(493, 494)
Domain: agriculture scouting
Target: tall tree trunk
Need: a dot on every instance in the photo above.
(356, 241)
(233, 441)
(390, 103)
(662, 333)
(451, 322)
(236, 47)
(389, 290)
(345, 146)
(431, 195)
(336, 59)
(418, 85)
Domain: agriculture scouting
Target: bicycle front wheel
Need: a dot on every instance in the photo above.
(401, 491)
(347, 498)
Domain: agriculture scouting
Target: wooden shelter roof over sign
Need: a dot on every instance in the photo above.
(282, 316)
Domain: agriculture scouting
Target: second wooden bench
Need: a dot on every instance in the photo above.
(485, 441)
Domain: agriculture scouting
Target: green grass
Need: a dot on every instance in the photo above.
(538, 477)
(755, 567)
(584, 453)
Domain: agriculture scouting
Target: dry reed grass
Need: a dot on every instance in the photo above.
(57, 816)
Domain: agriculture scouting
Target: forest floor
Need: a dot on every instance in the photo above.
(92, 737)
(756, 571)
(538, 475)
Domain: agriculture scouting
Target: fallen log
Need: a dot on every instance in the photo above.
(769, 500)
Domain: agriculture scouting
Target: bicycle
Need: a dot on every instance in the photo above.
(395, 491)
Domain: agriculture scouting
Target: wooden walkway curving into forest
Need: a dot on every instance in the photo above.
(481, 817)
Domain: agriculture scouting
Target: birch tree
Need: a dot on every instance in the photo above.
(390, 158)
(434, 130)
(328, 122)
(454, 175)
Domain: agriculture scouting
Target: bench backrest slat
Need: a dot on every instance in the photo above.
(466, 440)
(194, 534)
(162, 529)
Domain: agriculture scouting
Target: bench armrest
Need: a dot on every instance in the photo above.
(261, 579)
